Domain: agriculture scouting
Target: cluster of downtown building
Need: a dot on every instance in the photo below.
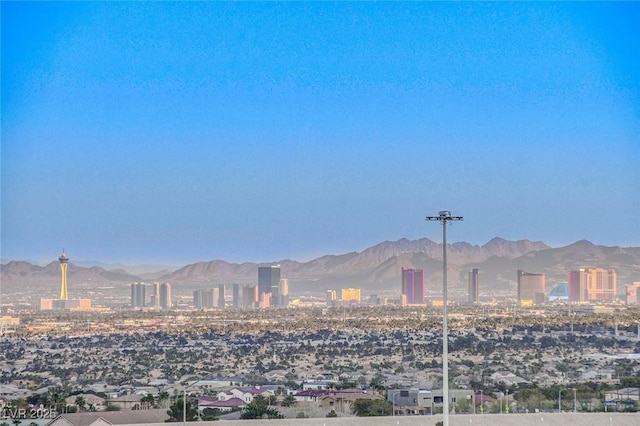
(590, 285)
(272, 291)
(594, 285)
(160, 295)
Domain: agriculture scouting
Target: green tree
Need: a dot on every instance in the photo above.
(175, 412)
(259, 409)
(377, 383)
(288, 401)
(57, 399)
(148, 401)
(463, 405)
(371, 407)
(80, 402)
(332, 413)
(163, 397)
(209, 414)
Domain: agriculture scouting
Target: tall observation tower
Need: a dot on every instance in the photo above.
(63, 259)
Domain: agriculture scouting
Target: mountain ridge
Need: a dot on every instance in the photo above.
(376, 267)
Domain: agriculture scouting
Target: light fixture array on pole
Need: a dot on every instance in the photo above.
(444, 217)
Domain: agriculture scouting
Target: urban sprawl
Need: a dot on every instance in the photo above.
(255, 351)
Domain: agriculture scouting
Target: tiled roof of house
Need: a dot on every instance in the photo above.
(315, 392)
(233, 402)
(113, 417)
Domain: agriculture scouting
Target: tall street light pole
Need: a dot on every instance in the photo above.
(560, 400)
(444, 217)
(394, 403)
(184, 397)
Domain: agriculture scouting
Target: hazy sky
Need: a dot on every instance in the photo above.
(177, 132)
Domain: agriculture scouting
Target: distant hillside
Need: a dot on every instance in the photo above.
(19, 271)
(376, 268)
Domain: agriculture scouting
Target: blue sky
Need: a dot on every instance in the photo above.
(177, 132)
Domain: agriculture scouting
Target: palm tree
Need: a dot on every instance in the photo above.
(148, 401)
(57, 399)
(163, 397)
(80, 402)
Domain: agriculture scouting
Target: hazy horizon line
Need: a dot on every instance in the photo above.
(178, 264)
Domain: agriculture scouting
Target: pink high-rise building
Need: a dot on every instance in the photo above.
(413, 286)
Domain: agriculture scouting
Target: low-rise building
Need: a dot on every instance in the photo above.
(416, 401)
(246, 394)
(226, 405)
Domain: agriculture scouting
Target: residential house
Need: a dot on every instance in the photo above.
(108, 418)
(310, 395)
(227, 405)
(508, 378)
(346, 396)
(317, 384)
(128, 401)
(244, 393)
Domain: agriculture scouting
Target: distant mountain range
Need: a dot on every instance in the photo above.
(374, 269)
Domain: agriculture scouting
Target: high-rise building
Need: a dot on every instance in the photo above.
(413, 285)
(269, 281)
(165, 295)
(474, 285)
(602, 285)
(593, 285)
(64, 260)
(633, 293)
(284, 292)
(351, 294)
(265, 300)
(197, 298)
(331, 298)
(155, 295)
(206, 298)
(577, 285)
(210, 297)
(236, 295)
(403, 300)
(138, 295)
(531, 288)
(249, 296)
(220, 301)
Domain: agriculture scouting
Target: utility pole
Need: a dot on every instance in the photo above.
(444, 217)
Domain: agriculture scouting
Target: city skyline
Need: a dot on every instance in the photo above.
(175, 133)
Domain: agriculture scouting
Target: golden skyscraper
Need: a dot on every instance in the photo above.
(63, 259)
